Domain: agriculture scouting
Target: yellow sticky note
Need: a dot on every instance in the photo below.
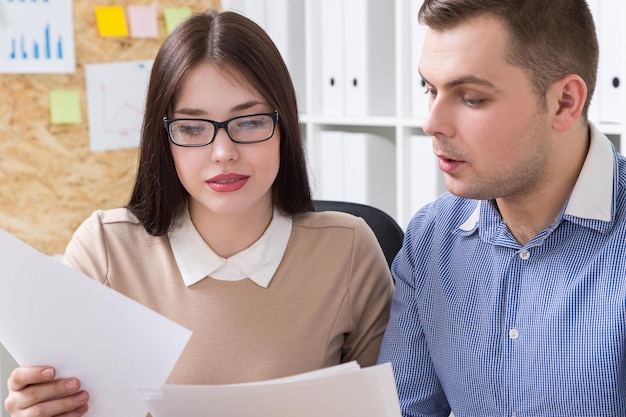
(111, 21)
(174, 15)
(65, 107)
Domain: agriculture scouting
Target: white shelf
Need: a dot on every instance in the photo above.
(393, 39)
(399, 122)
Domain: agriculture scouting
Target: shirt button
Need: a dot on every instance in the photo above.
(513, 334)
(524, 255)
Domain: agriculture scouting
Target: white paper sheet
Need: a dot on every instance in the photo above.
(53, 315)
(333, 392)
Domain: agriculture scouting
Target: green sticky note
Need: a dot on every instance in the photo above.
(65, 107)
(174, 15)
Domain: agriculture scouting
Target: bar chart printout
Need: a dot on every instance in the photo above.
(36, 36)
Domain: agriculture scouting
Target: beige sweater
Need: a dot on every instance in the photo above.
(327, 303)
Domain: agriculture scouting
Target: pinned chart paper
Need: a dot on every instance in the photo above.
(111, 21)
(338, 391)
(54, 315)
(116, 96)
(65, 107)
(37, 37)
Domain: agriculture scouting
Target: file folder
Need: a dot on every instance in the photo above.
(330, 163)
(610, 70)
(369, 170)
(369, 77)
(426, 181)
(419, 100)
(331, 57)
(284, 22)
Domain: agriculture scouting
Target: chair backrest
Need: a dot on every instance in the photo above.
(386, 229)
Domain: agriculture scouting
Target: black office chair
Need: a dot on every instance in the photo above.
(386, 229)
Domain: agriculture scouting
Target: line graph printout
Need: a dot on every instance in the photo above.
(36, 37)
(116, 95)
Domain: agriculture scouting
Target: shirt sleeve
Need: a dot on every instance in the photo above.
(86, 251)
(404, 345)
(370, 291)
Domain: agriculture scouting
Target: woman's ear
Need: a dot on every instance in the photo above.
(566, 100)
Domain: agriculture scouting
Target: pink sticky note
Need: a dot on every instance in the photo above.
(143, 21)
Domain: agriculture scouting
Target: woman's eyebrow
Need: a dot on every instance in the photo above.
(199, 112)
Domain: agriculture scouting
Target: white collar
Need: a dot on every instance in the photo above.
(592, 196)
(196, 260)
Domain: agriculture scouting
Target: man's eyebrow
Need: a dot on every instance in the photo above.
(467, 79)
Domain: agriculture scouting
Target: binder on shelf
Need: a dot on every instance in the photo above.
(369, 169)
(284, 22)
(331, 57)
(254, 10)
(607, 105)
(330, 170)
(610, 69)
(593, 113)
(356, 58)
(356, 82)
(369, 58)
(419, 100)
(425, 180)
(357, 167)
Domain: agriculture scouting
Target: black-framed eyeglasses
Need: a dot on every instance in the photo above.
(252, 128)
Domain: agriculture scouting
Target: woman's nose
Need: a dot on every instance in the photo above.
(223, 148)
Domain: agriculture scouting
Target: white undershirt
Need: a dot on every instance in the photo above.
(196, 260)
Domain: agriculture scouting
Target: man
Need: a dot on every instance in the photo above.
(511, 289)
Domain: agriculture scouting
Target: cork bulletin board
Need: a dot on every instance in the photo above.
(50, 180)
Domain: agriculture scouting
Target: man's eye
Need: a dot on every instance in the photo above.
(430, 91)
(473, 101)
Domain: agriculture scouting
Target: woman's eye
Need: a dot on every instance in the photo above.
(250, 124)
(190, 129)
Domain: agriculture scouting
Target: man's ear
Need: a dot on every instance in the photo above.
(566, 100)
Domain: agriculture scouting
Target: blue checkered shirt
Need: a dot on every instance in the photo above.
(483, 326)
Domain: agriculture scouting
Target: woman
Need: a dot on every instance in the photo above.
(219, 234)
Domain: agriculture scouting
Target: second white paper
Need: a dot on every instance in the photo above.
(338, 391)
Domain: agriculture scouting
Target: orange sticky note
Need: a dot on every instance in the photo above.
(174, 16)
(111, 21)
(65, 107)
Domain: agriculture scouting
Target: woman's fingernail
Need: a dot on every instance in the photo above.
(80, 398)
(71, 385)
(47, 373)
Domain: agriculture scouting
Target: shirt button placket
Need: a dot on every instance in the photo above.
(514, 334)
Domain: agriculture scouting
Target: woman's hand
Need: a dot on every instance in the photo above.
(34, 391)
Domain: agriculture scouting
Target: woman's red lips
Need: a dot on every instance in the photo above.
(227, 182)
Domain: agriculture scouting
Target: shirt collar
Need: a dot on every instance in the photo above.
(588, 200)
(196, 260)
